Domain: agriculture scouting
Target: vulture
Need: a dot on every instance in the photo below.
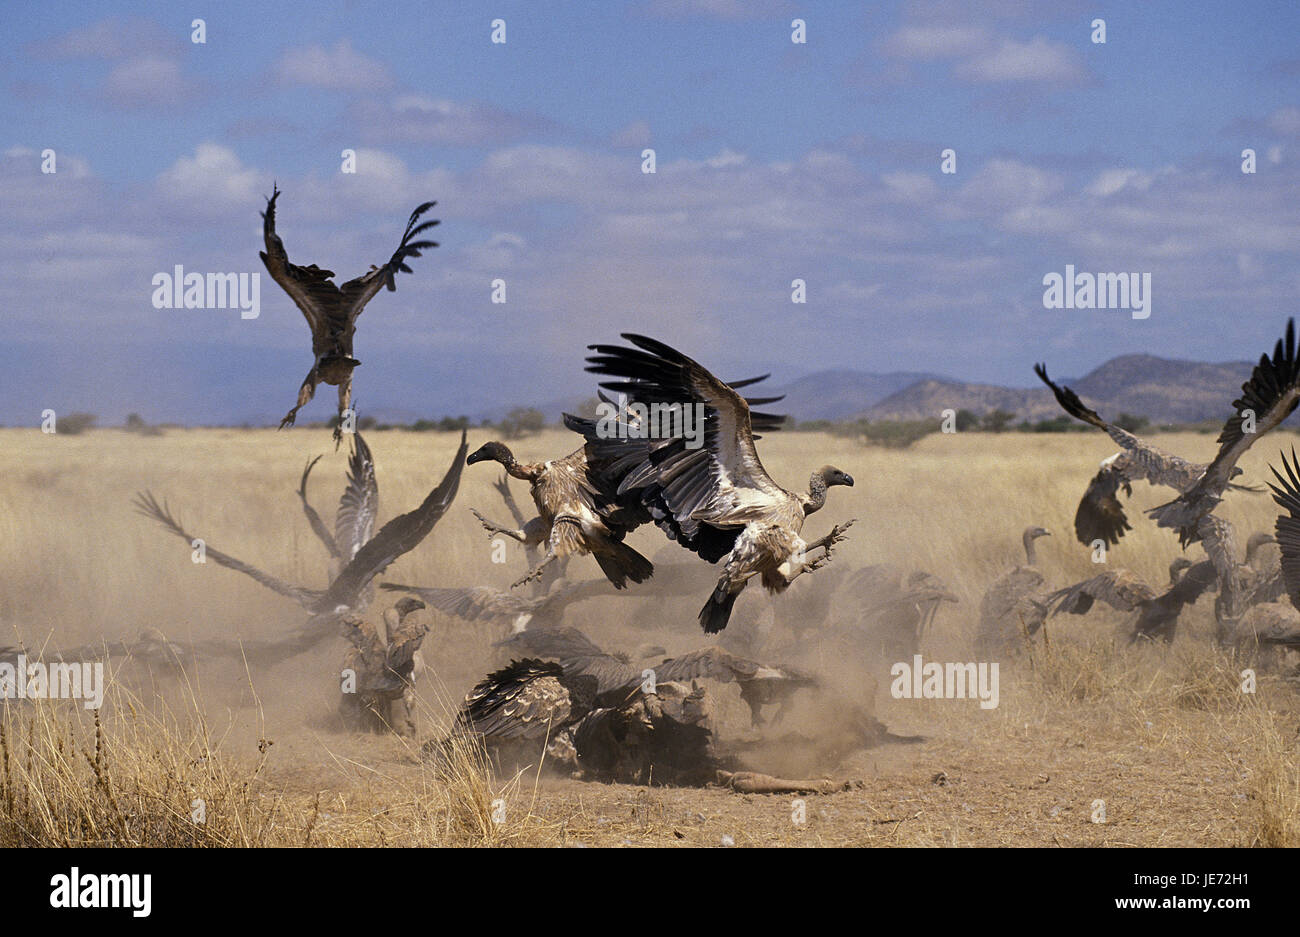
(1014, 604)
(1100, 515)
(350, 590)
(331, 310)
(480, 603)
(385, 662)
(617, 677)
(1267, 398)
(716, 499)
(515, 712)
(894, 610)
(1120, 589)
(578, 513)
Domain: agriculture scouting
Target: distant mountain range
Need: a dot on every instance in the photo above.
(1161, 389)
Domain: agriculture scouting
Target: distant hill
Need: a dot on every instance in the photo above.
(1161, 389)
(838, 395)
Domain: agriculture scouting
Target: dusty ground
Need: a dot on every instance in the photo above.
(1160, 739)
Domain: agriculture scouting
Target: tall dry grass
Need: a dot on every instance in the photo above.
(77, 563)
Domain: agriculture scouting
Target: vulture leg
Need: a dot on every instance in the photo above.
(531, 534)
(305, 393)
(536, 572)
(345, 404)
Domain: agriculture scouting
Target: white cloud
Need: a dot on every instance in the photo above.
(212, 179)
(341, 68)
(1039, 59)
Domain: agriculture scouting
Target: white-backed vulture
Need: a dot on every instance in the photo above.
(578, 513)
(385, 662)
(1014, 604)
(331, 310)
(1100, 515)
(1270, 395)
(350, 590)
(1120, 589)
(716, 500)
(890, 611)
(617, 675)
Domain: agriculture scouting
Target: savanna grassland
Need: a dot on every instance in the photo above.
(1162, 735)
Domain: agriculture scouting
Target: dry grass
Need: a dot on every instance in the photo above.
(1163, 735)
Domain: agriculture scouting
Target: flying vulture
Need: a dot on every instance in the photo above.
(716, 500)
(331, 310)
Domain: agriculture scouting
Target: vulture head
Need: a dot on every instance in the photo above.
(1180, 565)
(406, 605)
(1256, 541)
(491, 452)
(833, 476)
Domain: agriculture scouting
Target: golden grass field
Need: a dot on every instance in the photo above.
(1162, 735)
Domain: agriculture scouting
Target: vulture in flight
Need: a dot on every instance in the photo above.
(716, 500)
(350, 590)
(1101, 515)
(1268, 398)
(578, 512)
(1120, 589)
(332, 310)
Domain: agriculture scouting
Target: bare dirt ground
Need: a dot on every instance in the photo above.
(1093, 743)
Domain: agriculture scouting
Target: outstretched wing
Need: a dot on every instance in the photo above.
(148, 505)
(1287, 528)
(356, 293)
(329, 309)
(1268, 398)
(577, 654)
(525, 700)
(1145, 461)
(712, 662)
(317, 525)
(398, 536)
(478, 603)
(355, 521)
(1118, 588)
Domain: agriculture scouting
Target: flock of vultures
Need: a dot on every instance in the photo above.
(677, 448)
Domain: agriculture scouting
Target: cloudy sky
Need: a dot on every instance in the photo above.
(775, 161)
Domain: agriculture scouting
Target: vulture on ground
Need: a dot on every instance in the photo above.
(617, 676)
(716, 499)
(331, 310)
(1120, 589)
(1014, 605)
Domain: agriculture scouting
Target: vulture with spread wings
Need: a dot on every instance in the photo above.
(710, 493)
(1101, 515)
(1269, 397)
(1120, 589)
(362, 557)
(331, 310)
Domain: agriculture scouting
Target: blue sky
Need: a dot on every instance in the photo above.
(775, 161)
